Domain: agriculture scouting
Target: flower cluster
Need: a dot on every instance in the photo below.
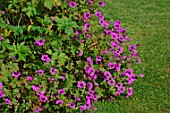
(73, 72)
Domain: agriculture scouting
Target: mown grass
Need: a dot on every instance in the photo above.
(147, 22)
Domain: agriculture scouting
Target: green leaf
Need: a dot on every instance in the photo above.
(49, 4)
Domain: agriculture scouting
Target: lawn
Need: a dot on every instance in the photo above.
(147, 22)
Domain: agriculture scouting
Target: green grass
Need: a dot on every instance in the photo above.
(147, 22)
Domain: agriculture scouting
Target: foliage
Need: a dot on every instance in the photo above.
(62, 56)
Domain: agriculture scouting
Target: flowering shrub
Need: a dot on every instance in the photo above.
(62, 56)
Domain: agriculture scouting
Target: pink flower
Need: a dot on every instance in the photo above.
(101, 4)
(72, 4)
(72, 105)
(16, 74)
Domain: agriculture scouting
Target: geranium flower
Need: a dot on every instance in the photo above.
(138, 60)
(72, 105)
(53, 19)
(107, 74)
(88, 36)
(29, 78)
(52, 79)
(2, 94)
(78, 32)
(98, 59)
(53, 71)
(40, 72)
(1, 85)
(1, 38)
(43, 98)
(80, 53)
(101, 4)
(38, 109)
(90, 85)
(72, 4)
(59, 102)
(61, 91)
(81, 84)
(130, 92)
(141, 75)
(89, 60)
(98, 14)
(86, 16)
(7, 101)
(45, 58)
(40, 42)
(118, 67)
(90, 1)
(36, 87)
(83, 107)
(111, 82)
(16, 74)
(111, 65)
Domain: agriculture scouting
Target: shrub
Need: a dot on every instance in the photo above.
(62, 56)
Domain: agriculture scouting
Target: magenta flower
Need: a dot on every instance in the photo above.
(29, 78)
(138, 60)
(138, 44)
(88, 105)
(59, 102)
(119, 84)
(130, 92)
(118, 67)
(101, 4)
(16, 74)
(1, 85)
(98, 14)
(90, 1)
(53, 19)
(111, 82)
(107, 74)
(1, 38)
(88, 36)
(52, 79)
(90, 85)
(43, 98)
(111, 65)
(83, 107)
(72, 4)
(61, 91)
(38, 109)
(98, 59)
(89, 60)
(7, 101)
(2, 94)
(86, 26)
(104, 51)
(121, 89)
(41, 93)
(40, 42)
(141, 75)
(40, 72)
(45, 58)
(132, 47)
(72, 105)
(63, 78)
(36, 87)
(78, 32)
(80, 53)
(81, 84)
(53, 71)
(76, 37)
(101, 22)
(86, 16)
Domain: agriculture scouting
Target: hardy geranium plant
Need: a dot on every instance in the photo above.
(62, 56)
